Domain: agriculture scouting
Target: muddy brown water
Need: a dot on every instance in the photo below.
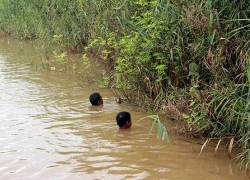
(49, 130)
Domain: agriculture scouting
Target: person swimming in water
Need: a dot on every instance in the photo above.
(124, 120)
(96, 99)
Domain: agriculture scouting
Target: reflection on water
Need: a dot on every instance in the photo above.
(49, 130)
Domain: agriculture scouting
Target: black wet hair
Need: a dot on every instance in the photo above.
(94, 98)
(122, 118)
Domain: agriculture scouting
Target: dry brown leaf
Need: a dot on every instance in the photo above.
(246, 167)
(206, 142)
(230, 148)
(217, 146)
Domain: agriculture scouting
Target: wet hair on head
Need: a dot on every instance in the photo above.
(122, 118)
(94, 98)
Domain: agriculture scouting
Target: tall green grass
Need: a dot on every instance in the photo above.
(162, 132)
(229, 115)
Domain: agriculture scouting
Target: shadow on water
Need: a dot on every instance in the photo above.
(49, 130)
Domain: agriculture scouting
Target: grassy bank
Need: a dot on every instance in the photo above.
(188, 59)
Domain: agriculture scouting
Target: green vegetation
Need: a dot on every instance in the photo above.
(162, 132)
(190, 58)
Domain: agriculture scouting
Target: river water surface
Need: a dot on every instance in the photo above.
(49, 130)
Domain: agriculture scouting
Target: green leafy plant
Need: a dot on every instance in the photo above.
(162, 132)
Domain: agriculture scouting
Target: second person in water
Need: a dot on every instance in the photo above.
(96, 99)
